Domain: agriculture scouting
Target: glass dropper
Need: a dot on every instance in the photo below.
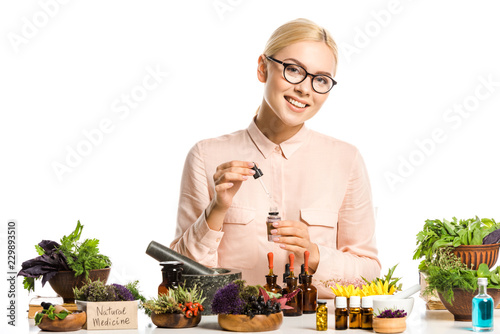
(257, 175)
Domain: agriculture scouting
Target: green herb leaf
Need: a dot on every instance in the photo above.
(483, 270)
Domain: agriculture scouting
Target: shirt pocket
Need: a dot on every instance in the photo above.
(322, 226)
(237, 247)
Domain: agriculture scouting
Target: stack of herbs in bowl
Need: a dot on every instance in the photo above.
(455, 253)
(66, 265)
(456, 285)
(177, 308)
(112, 306)
(249, 308)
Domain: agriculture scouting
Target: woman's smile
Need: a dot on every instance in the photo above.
(297, 105)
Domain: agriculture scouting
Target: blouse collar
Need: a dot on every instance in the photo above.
(266, 146)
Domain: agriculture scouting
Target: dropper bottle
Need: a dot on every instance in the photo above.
(310, 292)
(291, 285)
(271, 285)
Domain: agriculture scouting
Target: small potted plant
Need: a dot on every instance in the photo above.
(112, 306)
(66, 265)
(249, 308)
(389, 321)
(178, 308)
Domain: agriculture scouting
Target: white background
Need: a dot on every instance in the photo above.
(405, 68)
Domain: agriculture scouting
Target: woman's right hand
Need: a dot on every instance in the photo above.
(228, 178)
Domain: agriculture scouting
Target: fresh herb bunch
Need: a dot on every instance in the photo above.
(436, 234)
(389, 313)
(85, 256)
(97, 291)
(51, 314)
(68, 255)
(446, 272)
(180, 300)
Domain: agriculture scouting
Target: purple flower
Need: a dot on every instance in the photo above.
(392, 314)
(122, 293)
(227, 300)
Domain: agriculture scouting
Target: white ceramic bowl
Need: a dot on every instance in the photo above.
(382, 302)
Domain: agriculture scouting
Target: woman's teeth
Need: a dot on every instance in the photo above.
(296, 103)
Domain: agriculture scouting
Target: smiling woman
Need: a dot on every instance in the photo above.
(319, 184)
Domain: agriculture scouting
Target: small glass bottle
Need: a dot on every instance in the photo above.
(321, 316)
(171, 274)
(354, 312)
(273, 216)
(271, 284)
(482, 308)
(341, 316)
(367, 312)
(310, 293)
(296, 301)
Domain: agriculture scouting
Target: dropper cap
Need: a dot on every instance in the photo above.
(270, 257)
(258, 172)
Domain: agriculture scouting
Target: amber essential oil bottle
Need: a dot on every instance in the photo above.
(171, 274)
(291, 285)
(341, 315)
(367, 312)
(354, 312)
(310, 292)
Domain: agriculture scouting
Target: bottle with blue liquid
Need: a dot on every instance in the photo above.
(482, 308)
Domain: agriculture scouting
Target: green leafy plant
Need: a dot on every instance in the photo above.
(70, 254)
(446, 272)
(51, 314)
(437, 234)
(82, 257)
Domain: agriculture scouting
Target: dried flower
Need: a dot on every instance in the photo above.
(97, 291)
(122, 293)
(389, 313)
(227, 300)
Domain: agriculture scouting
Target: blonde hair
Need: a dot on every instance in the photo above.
(299, 30)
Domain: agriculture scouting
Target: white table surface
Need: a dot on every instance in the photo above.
(420, 320)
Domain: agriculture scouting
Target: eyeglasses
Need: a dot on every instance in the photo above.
(295, 74)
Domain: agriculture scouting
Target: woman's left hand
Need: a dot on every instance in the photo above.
(294, 237)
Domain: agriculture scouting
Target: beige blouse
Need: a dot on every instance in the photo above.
(315, 179)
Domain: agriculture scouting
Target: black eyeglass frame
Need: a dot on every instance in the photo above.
(285, 65)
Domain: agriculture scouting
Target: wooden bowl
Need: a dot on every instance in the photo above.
(474, 255)
(462, 303)
(243, 323)
(64, 282)
(389, 325)
(72, 322)
(174, 320)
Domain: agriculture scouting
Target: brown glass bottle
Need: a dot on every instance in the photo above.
(366, 313)
(296, 301)
(341, 315)
(354, 312)
(310, 294)
(271, 285)
(273, 217)
(171, 274)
